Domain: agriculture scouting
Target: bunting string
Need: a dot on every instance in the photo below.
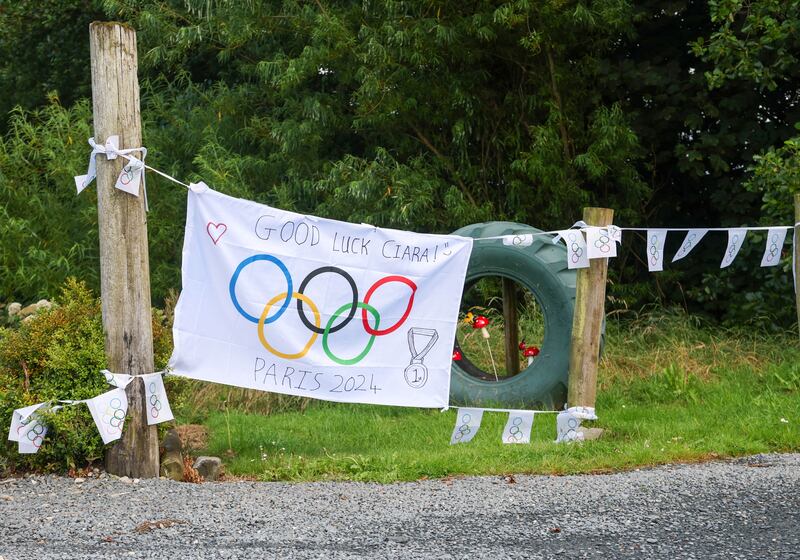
(108, 410)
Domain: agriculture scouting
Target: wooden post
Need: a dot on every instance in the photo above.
(512, 331)
(587, 322)
(124, 266)
(796, 249)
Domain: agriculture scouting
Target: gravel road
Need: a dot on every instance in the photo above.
(741, 509)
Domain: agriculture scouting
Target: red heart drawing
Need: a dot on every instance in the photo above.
(215, 231)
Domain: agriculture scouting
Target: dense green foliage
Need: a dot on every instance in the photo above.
(43, 48)
(426, 116)
(58, 354)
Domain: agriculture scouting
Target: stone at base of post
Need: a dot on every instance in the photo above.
(171, 457)
(209, 468)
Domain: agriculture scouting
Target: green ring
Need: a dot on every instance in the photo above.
(333, 318)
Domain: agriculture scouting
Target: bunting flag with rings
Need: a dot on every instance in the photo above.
(295, 304)
(468, 422)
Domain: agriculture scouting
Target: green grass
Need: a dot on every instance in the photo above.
(670, 391)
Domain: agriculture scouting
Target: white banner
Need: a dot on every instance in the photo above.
(468, 421)
(735, 239)
(158, 409)
(295, 304)
(772, 251)
(518, 427)
(693, 237)
(655, 249)
(577, 256)
(108, 411)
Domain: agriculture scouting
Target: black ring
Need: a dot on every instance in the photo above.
(353, 308)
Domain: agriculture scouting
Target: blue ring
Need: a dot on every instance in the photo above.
(277, 262)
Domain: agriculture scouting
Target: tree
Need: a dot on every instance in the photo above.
(44, 48)
(407, 113)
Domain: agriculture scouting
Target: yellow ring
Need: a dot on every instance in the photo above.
(282, 296)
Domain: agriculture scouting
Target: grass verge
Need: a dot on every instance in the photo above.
(671, 390)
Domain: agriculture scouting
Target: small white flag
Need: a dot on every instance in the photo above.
(577, 257)
(108, 411)
(32, 434)
(600, 243)
(772, 252)
(568, 422)
(523, 240)
(158, 409)
(19, 418)
(27, 428)
(130, 177)
(655, 249)
(468, 421)
(735, 239)
(518, 427)
(616, 233)
(120, 380)
(693, 237)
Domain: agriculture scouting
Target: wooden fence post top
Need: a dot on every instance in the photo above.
(111, 24)
(598, 216)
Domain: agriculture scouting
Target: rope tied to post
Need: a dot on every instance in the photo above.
(132, 174)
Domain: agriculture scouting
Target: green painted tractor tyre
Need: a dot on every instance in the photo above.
(542, 269)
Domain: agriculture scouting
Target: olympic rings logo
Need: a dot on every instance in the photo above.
(155, 402)
(34, 433)
(127, 175)
(689, 243)
(515, 432)
(339, 319)
(654, 252)
(603, 243)
(773, 248)
(464, 429)
(575, 248)
(572, 427)
(733, 248)
(114, 416)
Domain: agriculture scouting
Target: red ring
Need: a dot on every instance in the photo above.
(402, 320)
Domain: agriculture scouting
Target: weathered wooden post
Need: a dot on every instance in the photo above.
(587, 322)
(796, 249)
(124, 265)
(510, 321)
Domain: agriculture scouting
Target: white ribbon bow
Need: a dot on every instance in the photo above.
(130, 176)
